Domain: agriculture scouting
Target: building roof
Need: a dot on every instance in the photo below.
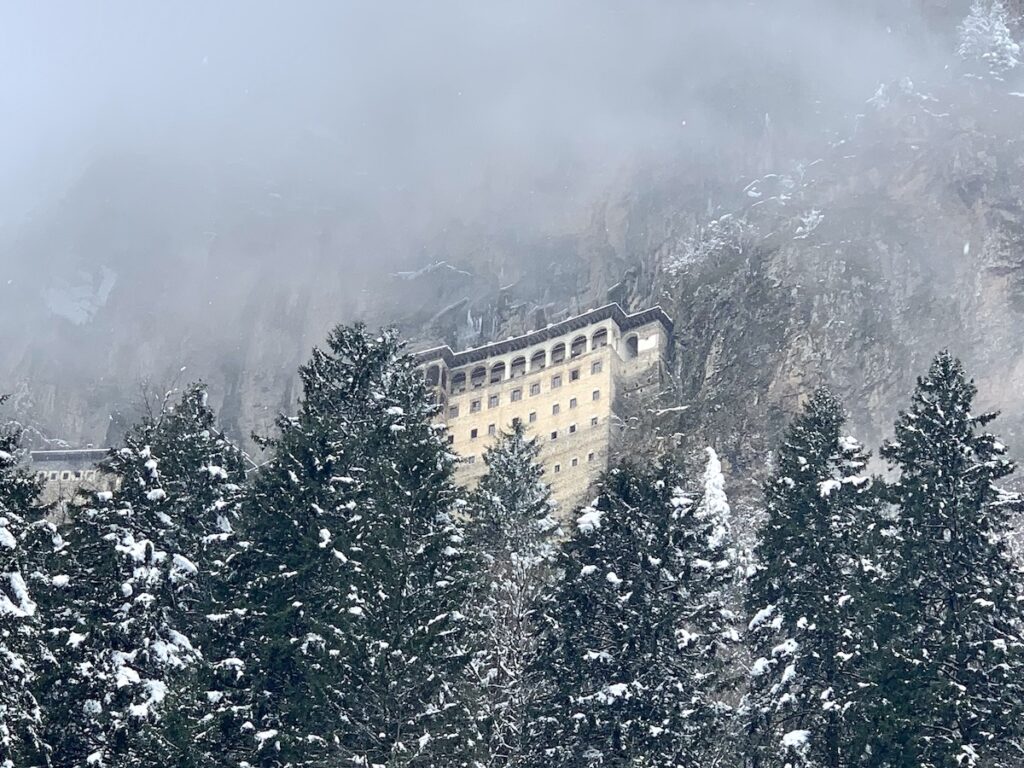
(70, 456)
(613, 311)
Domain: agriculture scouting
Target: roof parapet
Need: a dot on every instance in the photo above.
(609, 311)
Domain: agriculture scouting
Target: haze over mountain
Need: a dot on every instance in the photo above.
(200, 192)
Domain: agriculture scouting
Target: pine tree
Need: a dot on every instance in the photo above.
(356, 572)
(950, 672)
(808, 598)
(21, 650)
(141, 564)
(513, 531)
(986, 41)
(633, 648)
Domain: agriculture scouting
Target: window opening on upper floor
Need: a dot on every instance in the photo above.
(539, 361)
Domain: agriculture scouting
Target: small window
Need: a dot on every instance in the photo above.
(593, 421)
(575, 461)
(572, 403)
(453, 412)
(517, 395)
(471, 459)
(556, 382)
(492, 401)
(451, 439)
(590, 456)
(78, 475)
(53, 475)
(574, 374)
(474, 406)
(558, 468)
(554, 409)
(533, 416)
(572, 429)
(554, 435)
(516, 421)
(535, 389)
(596, 395)
(472, 434)
(65, 475)
(595, 367)
(40, 475)
(491, 429)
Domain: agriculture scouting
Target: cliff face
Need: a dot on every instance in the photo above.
(849, 269)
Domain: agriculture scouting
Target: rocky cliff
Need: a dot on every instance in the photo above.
(850, 268)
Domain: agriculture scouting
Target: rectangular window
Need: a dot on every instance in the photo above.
(572, 403)
(593, 421)
(590, 456)
(533, 416)
(558, 468)
(472, 434)
(516, 421)
(474, 406)
(572, 429)
(453, 412)
(492, 401)
(471, 459)
(491, 429)
(517, 395)
(535, 389)
(574, 374)
(575, 461)
(554, 435)
(556, 382)
(554, 409)
(595, 367)
(596, 395)
(451, 439)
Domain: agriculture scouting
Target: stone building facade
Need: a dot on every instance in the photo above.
(568, 383)
(70, 477)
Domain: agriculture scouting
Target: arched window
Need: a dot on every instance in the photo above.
(579, 346)
(632, 346)
(539, 360)
(600, 339)
(557, 353)
(518, 367)
(459, 382)
(478, 377)
(433, 375)
(497, 373)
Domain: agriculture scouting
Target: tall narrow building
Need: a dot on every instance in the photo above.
(568, 383)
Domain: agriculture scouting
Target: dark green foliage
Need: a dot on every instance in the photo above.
(21, 651)
(126, 628)
(355, 573)
(633, 647)
(809, 599)
(949, 678)
(512, 532)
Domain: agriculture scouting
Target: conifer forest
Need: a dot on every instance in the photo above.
(346, 603)
(481, 384)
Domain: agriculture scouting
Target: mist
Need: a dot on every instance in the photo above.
(180, 179)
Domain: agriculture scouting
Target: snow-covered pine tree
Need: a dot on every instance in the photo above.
(141, 564)
(356, 571)
(512, 530)
(21, 649)
(949, 682)
(633, 645)
(986, 41)
(808, 598)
